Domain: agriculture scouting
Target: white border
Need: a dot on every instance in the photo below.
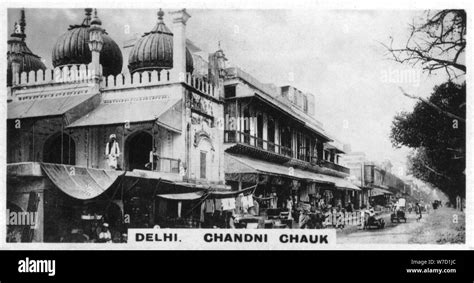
(235, 4)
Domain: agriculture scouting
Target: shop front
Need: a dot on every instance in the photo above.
(283, 193)
(379, 197)
(62, 200)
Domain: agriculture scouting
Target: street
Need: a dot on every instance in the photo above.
(434, 228)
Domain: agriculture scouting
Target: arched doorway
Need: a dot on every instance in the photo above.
(138, 147)
(60, 149)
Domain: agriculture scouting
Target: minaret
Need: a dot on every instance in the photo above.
(17, 38)
(19, 56)
(96, 43)
(15, 54)
(221, 61)
(22, 24)
(180, 18)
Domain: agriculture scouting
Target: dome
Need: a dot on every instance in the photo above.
(17, 46)
(72, 48)
(154, 50)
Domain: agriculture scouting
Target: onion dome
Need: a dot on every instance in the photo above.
(72, 48)
(154, 50)
(18, 49)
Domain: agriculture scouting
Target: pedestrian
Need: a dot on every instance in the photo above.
(105, 236)
(112, 152)
(418, 211)
(289, 206)
(303, 219)
(153, 160)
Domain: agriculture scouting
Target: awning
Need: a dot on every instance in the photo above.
(378, 192)
(343, 183)
(184, 196)
(229, 193)
(175, 179)
(242, 165)
(80, 182)
(166, 111)
(48, 104)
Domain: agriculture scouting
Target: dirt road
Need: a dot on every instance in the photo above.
(441, 226)
(396, 233)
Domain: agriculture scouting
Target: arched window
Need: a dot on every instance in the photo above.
(60, 148)
(137, 150)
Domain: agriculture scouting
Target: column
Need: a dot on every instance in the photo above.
(180, 18)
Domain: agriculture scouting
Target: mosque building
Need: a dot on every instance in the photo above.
(84, 137)
(170, 136)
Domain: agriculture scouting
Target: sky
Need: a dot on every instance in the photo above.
(336, 55)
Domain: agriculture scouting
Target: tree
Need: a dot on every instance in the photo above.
(437, 43)
(438, 140)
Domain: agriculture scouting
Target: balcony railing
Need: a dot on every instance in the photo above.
(254, 141)
(166, 165)
(335, 166)
(246, 138)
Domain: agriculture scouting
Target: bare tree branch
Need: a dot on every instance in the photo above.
(436, 44)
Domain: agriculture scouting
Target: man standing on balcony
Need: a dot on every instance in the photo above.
(154, 156)
(112, 152)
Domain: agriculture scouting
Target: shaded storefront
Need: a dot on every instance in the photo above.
(62, 198)
(281, 188)
(379, 196)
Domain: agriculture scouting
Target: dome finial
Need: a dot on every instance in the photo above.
(160, 15)
(19, 27)
(22, 21)
(87, 20)
(96, 20)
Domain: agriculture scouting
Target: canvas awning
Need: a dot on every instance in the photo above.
(243, 164)
(184, 196)
(343, 183)
(378, 192)
(165, 111)
(229, 193)
(80, 182)
(53, 104)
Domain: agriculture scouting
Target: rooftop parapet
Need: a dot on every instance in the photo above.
(85, 74)
(58, 75)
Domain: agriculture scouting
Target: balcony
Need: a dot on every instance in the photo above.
(166, 165)
(270, 147)
(334, 166)
(256, 142)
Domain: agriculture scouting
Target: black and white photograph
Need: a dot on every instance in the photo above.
(269, 126)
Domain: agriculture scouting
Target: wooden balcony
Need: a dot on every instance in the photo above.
(257, 143)
(335, 166)
(166, 165)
